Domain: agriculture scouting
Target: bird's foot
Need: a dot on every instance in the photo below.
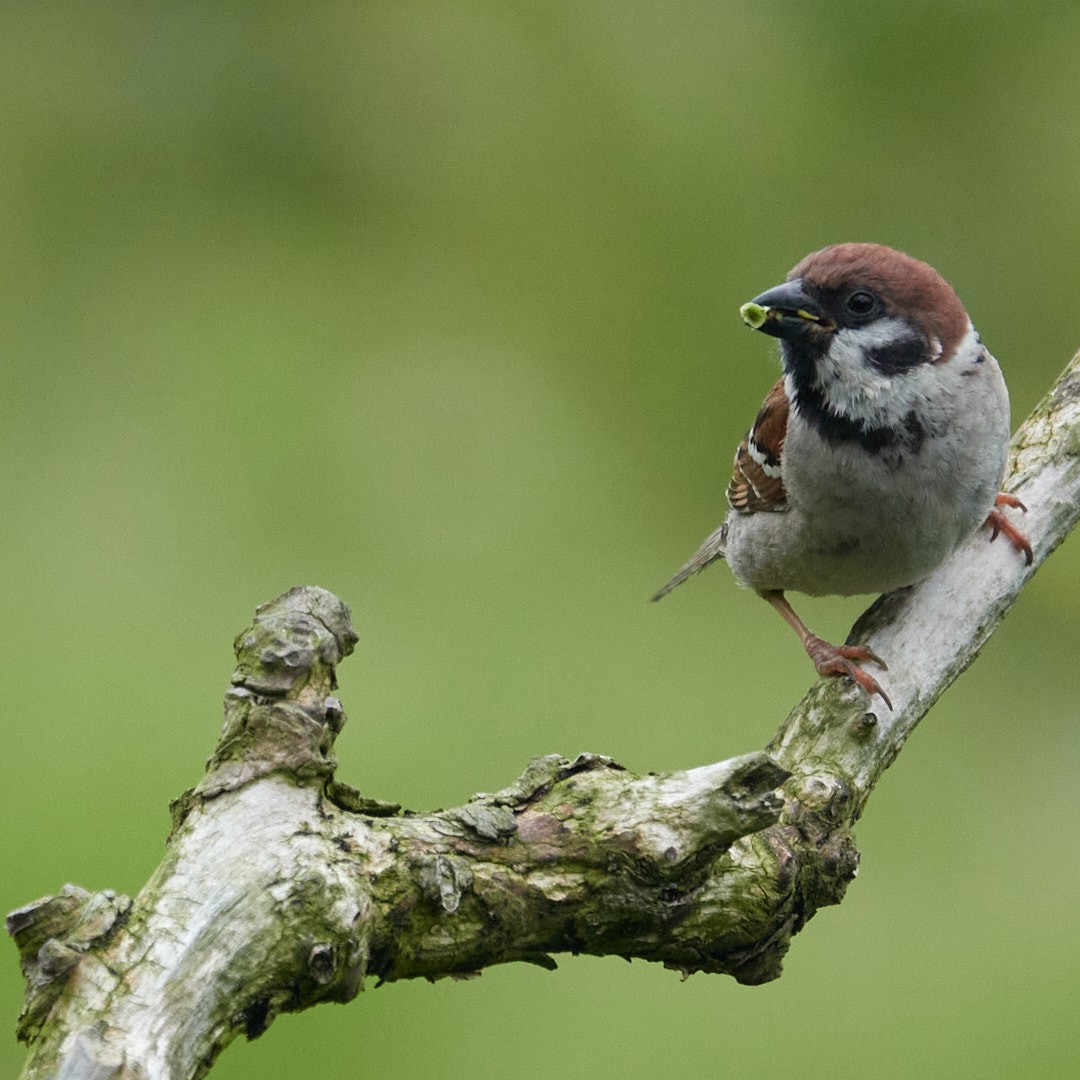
(999, 523)
(844, 660)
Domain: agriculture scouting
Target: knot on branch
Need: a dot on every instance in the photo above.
(51, 935)
(279, 713)
(295, 644)
(814, 844)
(673, 822)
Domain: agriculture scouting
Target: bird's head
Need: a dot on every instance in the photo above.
(857, 323)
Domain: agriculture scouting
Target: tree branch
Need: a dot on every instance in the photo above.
(283, 887)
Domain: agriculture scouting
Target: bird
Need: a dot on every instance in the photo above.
(881, 448)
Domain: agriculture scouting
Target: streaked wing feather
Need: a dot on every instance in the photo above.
(756, 483)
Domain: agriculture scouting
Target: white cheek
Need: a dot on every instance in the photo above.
(878, 334)
(855, 388)
(851, 385)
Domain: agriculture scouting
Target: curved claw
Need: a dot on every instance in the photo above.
(865, 680)
(1000, 525)
(861, 652)
(1003, 498)
(840, 660)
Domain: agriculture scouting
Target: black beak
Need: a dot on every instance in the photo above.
(785, 311)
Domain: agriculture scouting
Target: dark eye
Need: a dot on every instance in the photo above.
(861, 302)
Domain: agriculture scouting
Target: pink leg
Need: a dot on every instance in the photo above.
(830, 659)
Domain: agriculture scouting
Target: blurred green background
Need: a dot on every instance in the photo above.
(435, 305)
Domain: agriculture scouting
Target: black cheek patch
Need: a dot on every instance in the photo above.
(899, 356)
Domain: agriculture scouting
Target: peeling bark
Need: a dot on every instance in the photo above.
(283, 887)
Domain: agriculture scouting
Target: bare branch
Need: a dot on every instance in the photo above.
(283, 887)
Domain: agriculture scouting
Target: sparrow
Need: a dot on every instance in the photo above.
(881, 448)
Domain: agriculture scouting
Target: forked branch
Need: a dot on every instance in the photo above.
(283, 887)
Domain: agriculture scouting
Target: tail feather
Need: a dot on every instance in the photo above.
(709, 552)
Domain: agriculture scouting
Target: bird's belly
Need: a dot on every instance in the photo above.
(859, 523)
(855, 553)
(766, 552)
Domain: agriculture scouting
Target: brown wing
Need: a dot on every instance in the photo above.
(756, 482)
